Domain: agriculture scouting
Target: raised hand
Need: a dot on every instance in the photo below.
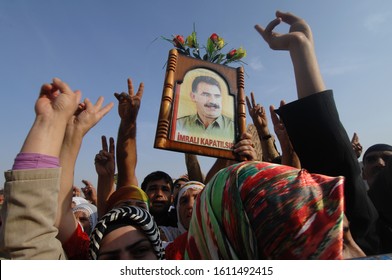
(87, 115)
(299, 30)
(299, 41)
(105, 160)
(129, 103)
(258, 114)
(57, 99)
(279, 128)
(357, 147)
(90, 193)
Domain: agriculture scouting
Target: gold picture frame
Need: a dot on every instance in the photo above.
(202, 108)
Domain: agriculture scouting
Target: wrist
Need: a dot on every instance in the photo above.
(45, 137)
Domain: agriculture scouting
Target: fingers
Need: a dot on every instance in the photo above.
(274, 117)
(130, 87)
(111, 145)
(288, 18)
(140, 90)
(253, 99)
(282, 103)
(46, 89)
(248, 103)
(105, 109)
(104, 143)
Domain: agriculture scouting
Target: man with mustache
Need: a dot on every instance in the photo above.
(208, 121)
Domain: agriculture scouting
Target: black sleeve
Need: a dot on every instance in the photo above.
(323, 147)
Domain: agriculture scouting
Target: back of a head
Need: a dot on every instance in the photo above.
(127, 193)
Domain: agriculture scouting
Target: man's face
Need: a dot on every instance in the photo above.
(373, 164)
(159, 193)
(186, 206)
(208, 100)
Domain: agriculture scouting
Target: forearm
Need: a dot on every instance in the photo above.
(126, 154)
(193, 168)
(269, 149)
(306, 69)
(66, 222)
(45, 137)
(105, 188)
(290, 157)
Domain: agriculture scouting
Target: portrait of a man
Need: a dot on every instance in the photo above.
(205, 112)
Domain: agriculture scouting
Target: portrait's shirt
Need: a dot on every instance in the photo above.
(222, 129)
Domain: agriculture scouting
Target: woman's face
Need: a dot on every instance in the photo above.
(126, 243)
(84, 220)
(186, 206)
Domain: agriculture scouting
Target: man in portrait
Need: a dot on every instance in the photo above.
(208, 121)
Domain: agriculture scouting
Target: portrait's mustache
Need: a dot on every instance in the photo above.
(209, 105)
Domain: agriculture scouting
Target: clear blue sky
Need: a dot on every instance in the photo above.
(95, 45)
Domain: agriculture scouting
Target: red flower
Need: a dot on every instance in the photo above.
(178, 41)
(231, 54)
(214, 37)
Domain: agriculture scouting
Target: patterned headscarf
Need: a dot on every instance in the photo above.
(127, 193)
(90, 210)
(195, 185)
(259, 210)
(127, 215)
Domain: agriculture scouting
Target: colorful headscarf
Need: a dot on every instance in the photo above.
(195, 185)
(127, 215)
(127, 193)
(259, 210)
(90, 210)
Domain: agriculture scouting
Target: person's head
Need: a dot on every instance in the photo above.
(87, 215)
(127, 233)
(374, 160)
(178, 183)
(259, 210)
(184, 203)
(206, 93)
(76, 200)
(128, 195)
(158, 186)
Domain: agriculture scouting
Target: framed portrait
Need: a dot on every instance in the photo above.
(202, 108)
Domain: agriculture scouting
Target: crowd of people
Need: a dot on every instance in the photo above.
(311, 200)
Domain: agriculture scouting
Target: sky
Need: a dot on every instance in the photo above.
(95, 45)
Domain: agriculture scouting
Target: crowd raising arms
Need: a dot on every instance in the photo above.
(62, 121)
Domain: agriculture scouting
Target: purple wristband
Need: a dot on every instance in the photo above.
(35, 161)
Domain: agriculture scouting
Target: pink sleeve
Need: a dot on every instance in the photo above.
(35, 161)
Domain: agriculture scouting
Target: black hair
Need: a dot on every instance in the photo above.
(157, 175)
(206, 79)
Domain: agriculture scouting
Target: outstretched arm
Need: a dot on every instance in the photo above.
(105, 167)
(32, 186)
(128, 109)
(315, 130)
(87, 116)
(193, 168)
(299, 42)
